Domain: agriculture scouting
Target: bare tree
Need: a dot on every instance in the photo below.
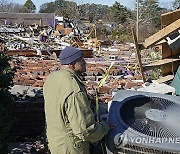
(149, 17)
(10, 7)
(176, 4)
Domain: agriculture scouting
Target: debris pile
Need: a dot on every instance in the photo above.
(27, 147)
(35, 50)
(33, 71)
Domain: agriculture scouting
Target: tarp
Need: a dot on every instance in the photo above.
(176, 82)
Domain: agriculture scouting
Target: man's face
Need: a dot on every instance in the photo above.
(80, 66)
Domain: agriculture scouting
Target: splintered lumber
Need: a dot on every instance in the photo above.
(163, 33)
(167, 19)
(163, 61)
(160, 63)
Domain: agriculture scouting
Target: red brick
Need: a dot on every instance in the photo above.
(104, 89)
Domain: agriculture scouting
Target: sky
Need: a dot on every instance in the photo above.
(128, 3)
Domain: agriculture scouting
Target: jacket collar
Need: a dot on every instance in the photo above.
(70, 71)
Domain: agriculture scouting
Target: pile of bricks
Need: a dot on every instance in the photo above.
(33, 72)
(117, 79)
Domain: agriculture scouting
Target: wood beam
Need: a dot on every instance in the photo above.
(163, 33)
(138, 54)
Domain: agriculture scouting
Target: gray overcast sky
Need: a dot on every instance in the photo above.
(128, 3)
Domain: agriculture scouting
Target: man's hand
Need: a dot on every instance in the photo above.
(104, 118)
(112, 126)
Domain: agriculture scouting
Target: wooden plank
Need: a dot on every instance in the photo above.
(138, 54)
(162, 62)
(167, 52)
(165, 79)
(170, 68)
(176, 15)
(175, 11)
(167, 19)
(21, 52)
(161, 42)
(163, 33)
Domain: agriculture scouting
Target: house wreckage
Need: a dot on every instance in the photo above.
(34, 42)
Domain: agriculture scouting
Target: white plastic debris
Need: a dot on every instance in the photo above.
(155, 87)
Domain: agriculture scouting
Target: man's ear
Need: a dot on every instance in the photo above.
(72, 65)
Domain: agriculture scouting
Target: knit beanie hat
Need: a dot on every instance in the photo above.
(70, 54)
